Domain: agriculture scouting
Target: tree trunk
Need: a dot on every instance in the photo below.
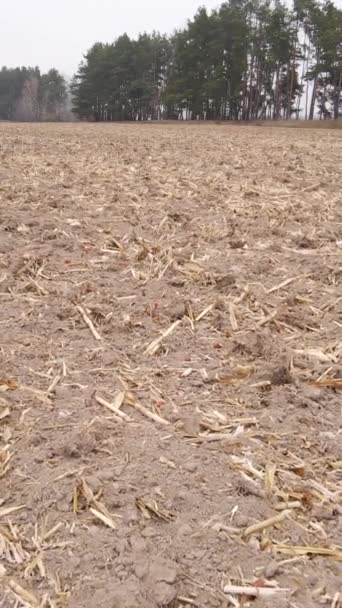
(249, 102)
(307, 84)
(337, 94)
(313, 98)
(276, 96)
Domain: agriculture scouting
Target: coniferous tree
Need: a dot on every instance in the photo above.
(246, 60)
(28, 95)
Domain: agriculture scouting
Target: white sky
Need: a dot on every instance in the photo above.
(56, 34)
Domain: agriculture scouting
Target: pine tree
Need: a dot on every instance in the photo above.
(246, 60)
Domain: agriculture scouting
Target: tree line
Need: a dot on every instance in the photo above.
(247, 60)
(28, 95)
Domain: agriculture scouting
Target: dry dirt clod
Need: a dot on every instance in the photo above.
(281, 376)
(225, 281)
(177, 312)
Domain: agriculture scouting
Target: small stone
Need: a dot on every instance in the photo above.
(93, 531)
(237, 243)
(71, 451)
(197, 554)
(177, 282)
(122, 533)
(190, 466)
(241, 521)
(94, 483)
(64, 506)
(271, 569)
(108, 358)
(335, 568)
(189, 425)
(184, 530)
(254, 543)
(178, 311)
(117, 502)
(107, 475)
(74, 562)
(180, 496)
(311, 392)
(225, 281)
(115, 487)
(164, 571)
(118, 471)
(326, 513)
(140, 570)
(138, 545)
(281, 376)
(327, 435)
(61, 392)
(131, 515)
(164, 594)
(122, 574)
(223, 566)
(222, 535)
(149, 532)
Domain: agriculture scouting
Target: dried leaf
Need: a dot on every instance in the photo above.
(108, 521)
(151, 508)
(8, 384)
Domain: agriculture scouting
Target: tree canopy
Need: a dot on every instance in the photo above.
(246, 60)
(249, 59)
(28, 95)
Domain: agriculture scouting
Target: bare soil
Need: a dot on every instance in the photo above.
(171, 373)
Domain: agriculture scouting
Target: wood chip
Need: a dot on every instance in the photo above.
(151, 508)
(232, 317)
(5, 511)
(53, 385)
(205, 312)
(267, 319)
(52, 531)
(114, 407)
(155, 345)
(263, 592)
(169, 463)
(130, 400)
(333, 552)
(327, 382)
(267, 523)
(89, 322)
(286, 282)
(108, 521)
(23, 595)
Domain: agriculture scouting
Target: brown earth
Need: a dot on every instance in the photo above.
(132, 468)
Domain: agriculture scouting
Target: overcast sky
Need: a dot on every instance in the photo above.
(56, 34)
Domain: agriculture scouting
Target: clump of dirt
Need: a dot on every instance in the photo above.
(281, 375)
